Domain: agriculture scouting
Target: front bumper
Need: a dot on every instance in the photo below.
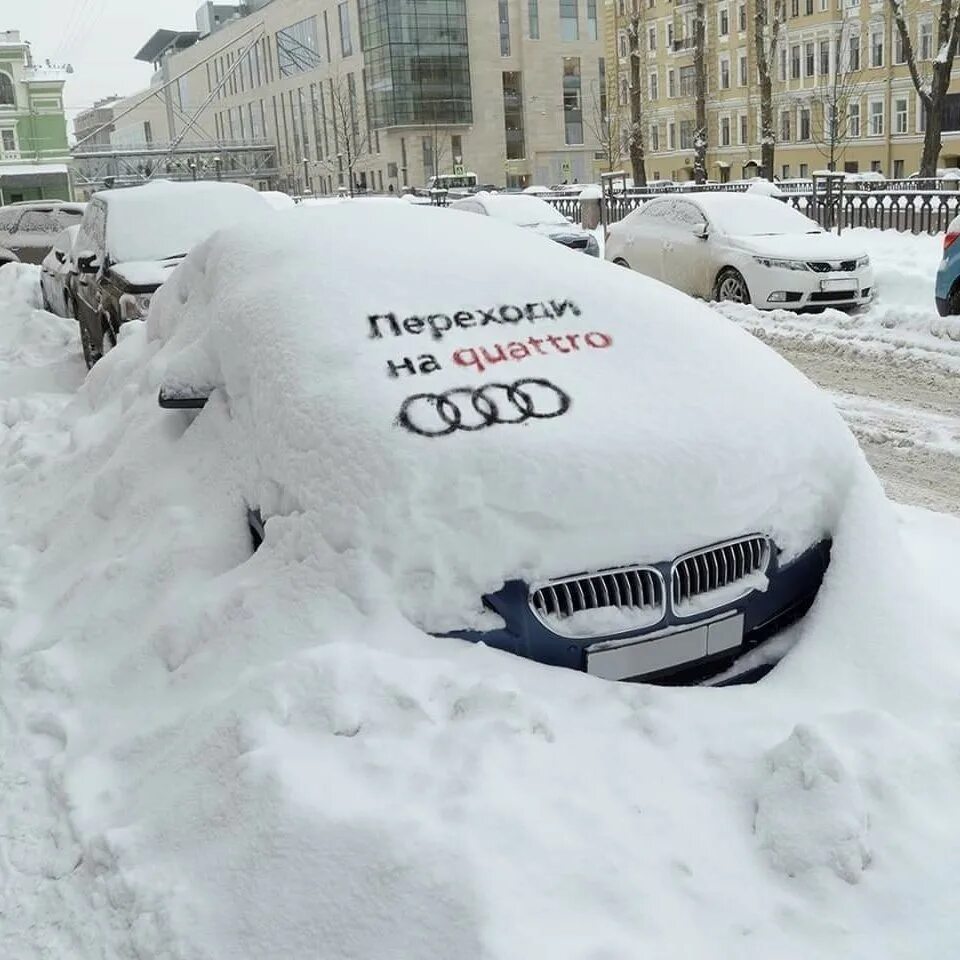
(676, 648)
(778, 289)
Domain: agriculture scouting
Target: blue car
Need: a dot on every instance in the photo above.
(948, 274)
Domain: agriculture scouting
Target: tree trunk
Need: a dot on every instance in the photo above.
(932, 142)
(767, 135)
(700, 69)
(636, 107)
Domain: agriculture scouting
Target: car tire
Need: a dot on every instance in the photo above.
(954, 301)
(731, 287)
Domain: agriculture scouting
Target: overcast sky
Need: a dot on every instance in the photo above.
(99, 37)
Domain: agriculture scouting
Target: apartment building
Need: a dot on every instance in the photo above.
(390, 92)
(842, 97)
(33, 131)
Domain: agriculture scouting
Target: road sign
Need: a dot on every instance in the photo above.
(458, 170)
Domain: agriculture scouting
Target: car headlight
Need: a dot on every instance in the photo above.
(863, 262)
(134, 306)
(782, 264)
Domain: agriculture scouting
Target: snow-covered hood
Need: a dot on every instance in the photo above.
(146, 273)
(557, 231)
(481, 407)
(803, 246)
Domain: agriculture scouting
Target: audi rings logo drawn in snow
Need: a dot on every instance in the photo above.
(474, 408)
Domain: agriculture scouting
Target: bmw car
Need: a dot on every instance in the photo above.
(558, 459)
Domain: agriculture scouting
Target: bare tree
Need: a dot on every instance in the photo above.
(605, 127)
(636, 141)
(350, 138)
(700, 92)
(830, 104)
(931, 84)
(766, 36)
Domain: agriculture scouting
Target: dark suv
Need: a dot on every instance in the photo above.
(131, 239)
(28, 230)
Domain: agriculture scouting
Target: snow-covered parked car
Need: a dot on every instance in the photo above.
(131, 239)
(532, 213)
(742, 247)
(58, 273)
(566, 462)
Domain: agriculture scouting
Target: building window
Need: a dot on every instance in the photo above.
(298, 48)
(795, 62)
(742, 18)
(785, 126)
(809, 59)
(897, 169)
(876, 166)
(724, 131)
(794, 8)
(743, 69)
(785, 172)
(671, 83)
(346, 42)
(898, 55)
(513, 115)
(592, 27)
(688, 80)
(8, 140)
(724, 74)
(572, 108)
(926, 40)
(504, 18)
(533, 17)
(853, 120)
(654, 86)
(804, 124)
(671, 136)
(669, 35)
(804, 171)
(809, 8)
(622, 45)
(428, 167)
(624, 93)
(724, 22)
(686, 134)
(853, 53)
(6, 89)
(783, 63)
(876, 47)
(824, 58)
(652, 39)
(654, 137)
(744, 132)
(900, 115)
(876, 118)
(602, 73)
(569, 26)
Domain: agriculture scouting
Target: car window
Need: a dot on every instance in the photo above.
(92, 228)
(67, 218)
(678, 213)
(9, 220)
(39, 221)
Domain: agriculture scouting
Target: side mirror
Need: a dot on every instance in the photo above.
(178, 400)
(59, 256)
(701, 232)
(87, 262)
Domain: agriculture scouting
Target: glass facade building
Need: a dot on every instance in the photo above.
(417, 62)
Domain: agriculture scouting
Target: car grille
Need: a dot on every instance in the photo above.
(830, 296)
(833, 266)
(636, 591)
(725, 565)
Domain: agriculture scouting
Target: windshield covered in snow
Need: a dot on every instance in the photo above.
(162, 220)
(524, 211)
(745, 216)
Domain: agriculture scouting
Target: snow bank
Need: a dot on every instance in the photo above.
(213, 754)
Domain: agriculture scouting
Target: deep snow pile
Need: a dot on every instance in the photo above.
(210, 754)
(901, 317)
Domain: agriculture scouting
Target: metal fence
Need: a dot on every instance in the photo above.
(910, 210)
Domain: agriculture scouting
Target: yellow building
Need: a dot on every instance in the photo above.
(840, 58)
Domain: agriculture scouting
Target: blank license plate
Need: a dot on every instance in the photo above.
(850, 284)
(649, 656)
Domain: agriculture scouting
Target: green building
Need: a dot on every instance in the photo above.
(33, 130)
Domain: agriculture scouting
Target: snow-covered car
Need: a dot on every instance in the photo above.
(58, 272)
(566, 462)
(278, 199)
(532, 213)
(7, 256)
(742, 247)
(131, 239)
(28, 229)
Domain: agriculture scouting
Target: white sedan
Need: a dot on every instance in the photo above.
(742, 247)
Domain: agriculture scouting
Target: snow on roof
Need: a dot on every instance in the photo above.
(163, 219)
(12, 169)
(334, 329)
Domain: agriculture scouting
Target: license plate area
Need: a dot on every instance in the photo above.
(672, 650)
(839, 284)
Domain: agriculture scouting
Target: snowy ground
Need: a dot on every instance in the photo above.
(199, 763)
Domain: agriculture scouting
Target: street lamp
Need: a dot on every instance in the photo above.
(307, 188)
(218, 163)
